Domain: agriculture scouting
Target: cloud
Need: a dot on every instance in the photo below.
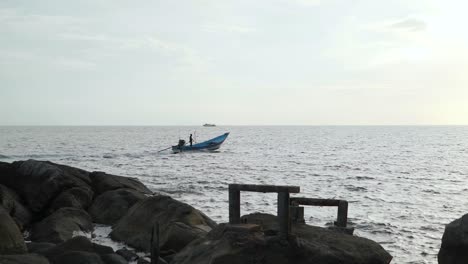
(409, 24)
(309, 2)
(227, 28)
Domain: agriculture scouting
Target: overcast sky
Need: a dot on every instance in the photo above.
(285, 62)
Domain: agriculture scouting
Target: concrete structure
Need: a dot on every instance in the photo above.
(342, 214)
(283, 203)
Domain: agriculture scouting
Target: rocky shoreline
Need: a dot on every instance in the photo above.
(43, 206)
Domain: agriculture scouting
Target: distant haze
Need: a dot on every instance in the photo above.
(285, 62)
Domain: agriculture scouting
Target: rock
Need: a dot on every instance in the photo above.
(248, 244)
(40, 182)
(179, 224)
(454, 248)
(7, 174)
(103, 182)
(13, 205)
(78, 243)
(39, 247)
(23, 259)
(59, 226)
(127, 254)
(110, 206)
(113, 259)
(76, 197)
(11, 239)
(78, 257)
(102, 250)
(143, 261)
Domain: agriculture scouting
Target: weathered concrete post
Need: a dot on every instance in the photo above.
(234, 205)
(297, 214)
(155, 244)
(283, 214)
(342, 218)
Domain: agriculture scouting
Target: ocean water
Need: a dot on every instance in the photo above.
(403, 183)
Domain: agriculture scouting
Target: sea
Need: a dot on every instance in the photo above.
(403, 183)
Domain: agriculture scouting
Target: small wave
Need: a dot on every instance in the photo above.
(4, 157)
(355, 188)
(108, 156)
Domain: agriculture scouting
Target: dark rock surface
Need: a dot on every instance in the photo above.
(110, 206)
(76, 197)
(39, 247)
(59, 226)
(103, 182)
(454, 248)
(113, 259)
(180, 223)
(248, 244)
(88, 251)
(127, 254)
(23, 259)
(11, 239)
(39, 182)
(77, 257)
(12, 203)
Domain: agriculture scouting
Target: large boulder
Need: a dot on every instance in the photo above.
(77, 257)
(11, 239)
(7, 174)
(40, 182)
(103, 182)
(61, 253)
(251, 243)
(179, 224)
(23, 259)
(12, 203)
(113, 259)
(59, 226)
(110, 206)
(76, 197)
(454, 248)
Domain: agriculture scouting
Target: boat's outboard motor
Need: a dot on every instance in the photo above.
(181, 143)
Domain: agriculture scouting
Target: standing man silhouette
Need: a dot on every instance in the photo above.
(191, 140)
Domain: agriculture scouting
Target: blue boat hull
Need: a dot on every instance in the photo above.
(212, 144)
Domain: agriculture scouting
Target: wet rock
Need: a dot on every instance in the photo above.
(248, 244)
(143, 261)
(12, 203)
(110, 206)
(78, 243)
(179, 224)
(40, 182)
(59, 226)
(39, 247)
(113, 259)
(127, 254)
(78, 257)
(76, 197)
(7, 174)
(103, 182)
(454, 248)
(23, 259)
(11, 239)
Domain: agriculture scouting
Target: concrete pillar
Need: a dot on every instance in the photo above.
(283, 214)
(234, 206)
(342, 219)
(297, 214)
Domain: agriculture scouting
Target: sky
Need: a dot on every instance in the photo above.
(272, 62)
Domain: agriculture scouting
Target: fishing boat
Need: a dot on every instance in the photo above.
(209, 125)
(212, 144)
